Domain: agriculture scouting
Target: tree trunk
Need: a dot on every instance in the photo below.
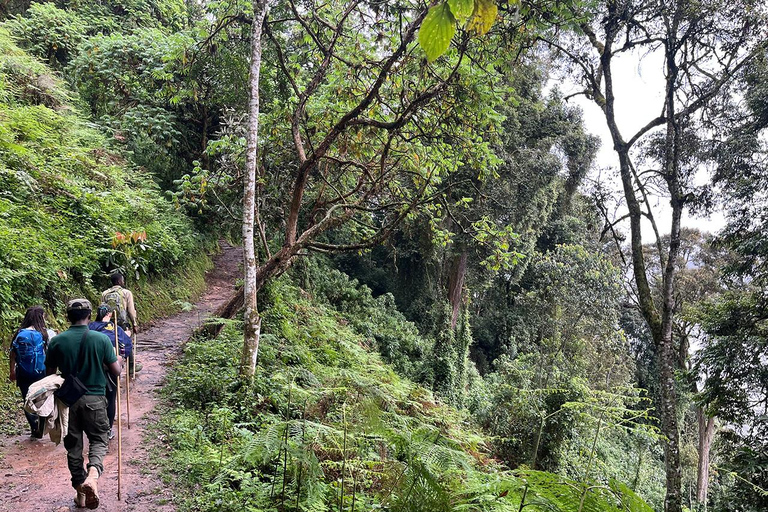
(252, 328)
(660, 324)
(706, 436)
(668, 354)
(456, 285)
(673, 502)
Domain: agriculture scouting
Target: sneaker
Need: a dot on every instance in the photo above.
(111, 434)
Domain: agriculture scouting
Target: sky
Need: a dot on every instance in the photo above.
(639, 86)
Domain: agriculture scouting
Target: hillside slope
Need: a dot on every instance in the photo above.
(71, 210)
(327, 425)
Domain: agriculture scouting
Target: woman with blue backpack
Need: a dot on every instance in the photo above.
(28, 358)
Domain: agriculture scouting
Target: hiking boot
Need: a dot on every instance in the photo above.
(80, 497)
(132, 363)
(131, 366)
(90, 489)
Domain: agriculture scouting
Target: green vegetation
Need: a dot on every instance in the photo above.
(327, 425)
(453, 306)
(65, 198)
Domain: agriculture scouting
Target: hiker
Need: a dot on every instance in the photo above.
(81, 353)
(121, 299)
(28, 359)
(105, 325)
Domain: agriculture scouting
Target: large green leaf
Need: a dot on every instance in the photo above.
(437, 30)
(483, 17)
(631, 501)
(461, 9)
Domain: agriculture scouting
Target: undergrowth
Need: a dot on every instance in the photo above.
(326, 425)
(65, 200)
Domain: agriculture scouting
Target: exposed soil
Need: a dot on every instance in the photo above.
(34, 473)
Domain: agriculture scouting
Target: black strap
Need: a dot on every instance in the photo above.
(80, 353)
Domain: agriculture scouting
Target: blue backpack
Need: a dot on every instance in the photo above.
(30, 352)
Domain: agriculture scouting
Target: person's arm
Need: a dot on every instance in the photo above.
(12, 372)
(116, 367)
(50, 364)
(131, 308)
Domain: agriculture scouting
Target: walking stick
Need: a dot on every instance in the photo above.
(128, 397)
(119, 429)
(135, 347)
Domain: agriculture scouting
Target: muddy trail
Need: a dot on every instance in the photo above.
(34, 473)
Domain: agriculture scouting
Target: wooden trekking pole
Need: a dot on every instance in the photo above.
(119, 430)
(135, 346)
(128, 397)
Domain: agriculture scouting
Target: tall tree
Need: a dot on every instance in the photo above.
(703, 46)
(252, 328)
(359, 133)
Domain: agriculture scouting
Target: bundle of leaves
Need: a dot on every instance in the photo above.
(326, 425)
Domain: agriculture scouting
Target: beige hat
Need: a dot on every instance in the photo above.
(79, 304)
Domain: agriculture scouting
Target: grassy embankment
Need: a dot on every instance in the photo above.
(63, 197)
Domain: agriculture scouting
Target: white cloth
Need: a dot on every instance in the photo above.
(41, 401)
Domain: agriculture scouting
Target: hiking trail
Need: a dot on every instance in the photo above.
(34, 472)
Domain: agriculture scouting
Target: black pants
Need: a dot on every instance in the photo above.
(111, 399)
(24, 381)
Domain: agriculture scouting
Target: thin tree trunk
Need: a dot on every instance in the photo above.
(252, 328)
(706, 436)
(204, 139)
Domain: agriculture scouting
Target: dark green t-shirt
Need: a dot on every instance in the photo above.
(63, 351)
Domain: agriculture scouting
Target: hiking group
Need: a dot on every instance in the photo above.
(70, 381)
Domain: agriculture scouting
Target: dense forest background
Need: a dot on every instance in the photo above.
(455, 314)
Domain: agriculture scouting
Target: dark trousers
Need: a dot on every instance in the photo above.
(24, 381)
(87, 416)
(111, 398)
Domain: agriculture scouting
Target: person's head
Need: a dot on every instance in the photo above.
(79, 311)
(103, 313)
(117, 279)
(35, 318)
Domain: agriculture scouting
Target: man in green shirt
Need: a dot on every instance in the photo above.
(89, 413)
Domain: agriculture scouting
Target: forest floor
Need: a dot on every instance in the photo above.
(34, 472)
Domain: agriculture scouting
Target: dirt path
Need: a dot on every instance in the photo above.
(34, 474)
